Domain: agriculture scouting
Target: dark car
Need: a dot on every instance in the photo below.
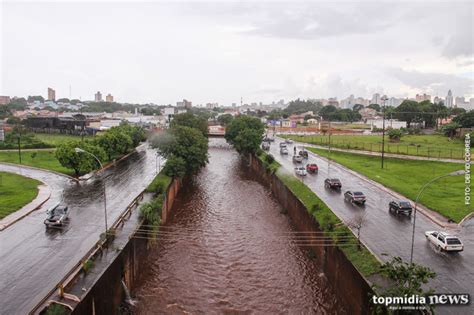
(333, 183)
(57, 215)
(266, 146)
(297, 159)
(354, 197)
(312, 168)
(304, 154)
(400, 206)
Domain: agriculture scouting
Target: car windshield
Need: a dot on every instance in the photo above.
(405, 204)
(335, 180)
(453, 241)
(358, 193)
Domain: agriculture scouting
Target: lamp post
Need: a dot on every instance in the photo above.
(158, 162)
(455, 173)
(384, 99)
(79, 150)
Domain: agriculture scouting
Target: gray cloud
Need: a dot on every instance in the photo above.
(433, 82)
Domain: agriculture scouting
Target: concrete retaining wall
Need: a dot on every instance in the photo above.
(350, 286)
(107, 293)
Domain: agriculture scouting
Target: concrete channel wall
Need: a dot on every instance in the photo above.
(349, 285)
(107, 293)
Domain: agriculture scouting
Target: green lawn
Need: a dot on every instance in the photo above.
(56, 139)
(364, 261)
(43, 159)
(421, 145)
(406, 177)
(15, 192)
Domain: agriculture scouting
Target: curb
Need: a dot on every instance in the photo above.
(4, 226)
(39, 169)
(420, 208)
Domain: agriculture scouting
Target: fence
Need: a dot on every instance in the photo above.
(415, 150)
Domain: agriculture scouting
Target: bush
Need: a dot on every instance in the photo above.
(395, 135)
(56, 309)
(270, 158)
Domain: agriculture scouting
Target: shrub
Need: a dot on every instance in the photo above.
(395, 135)
(56, 309)
(270, 158)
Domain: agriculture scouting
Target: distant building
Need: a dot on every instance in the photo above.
(51, 94)
(98, 97)
(422, 97)
(437, 100)
(109, 98)
(461, 102)
(4, 100)
(185, 103)
(376, 99)
(212, 105)
(449, 100)
(471, 103)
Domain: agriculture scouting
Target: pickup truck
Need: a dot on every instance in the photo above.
(56, 215)
(400, 206)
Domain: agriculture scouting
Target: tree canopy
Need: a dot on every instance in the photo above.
(245, 134)
(192, 121)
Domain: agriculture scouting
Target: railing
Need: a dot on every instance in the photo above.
(98, 246)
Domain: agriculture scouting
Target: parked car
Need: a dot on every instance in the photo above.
(312, 168)
(297, 158)
(56, 215)
(282, 145)
(400, 206)
(301, 171)
(444, 241)
(333, 183)
(355, 197)
(283, 150)
(304, 154)
(266, 146)
(289, 141)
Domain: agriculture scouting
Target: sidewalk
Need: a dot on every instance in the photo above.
(44, 193)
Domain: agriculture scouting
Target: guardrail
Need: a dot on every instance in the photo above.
(98, 246)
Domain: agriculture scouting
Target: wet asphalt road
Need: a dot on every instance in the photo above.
(33, 259)
(385, 233)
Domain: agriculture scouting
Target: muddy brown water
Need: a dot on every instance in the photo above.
(228, 249)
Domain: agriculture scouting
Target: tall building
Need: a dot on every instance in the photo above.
(98, 97)
(449, 99)
(51, 94)
(4, 100)
(109, 98)
(376, 99)
(423, 97)
(437, 100)
(461, 102)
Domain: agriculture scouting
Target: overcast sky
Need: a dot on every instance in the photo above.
(221, 51)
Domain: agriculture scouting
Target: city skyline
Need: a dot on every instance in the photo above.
(261, 52)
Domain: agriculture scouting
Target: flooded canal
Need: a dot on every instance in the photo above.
(228, 249)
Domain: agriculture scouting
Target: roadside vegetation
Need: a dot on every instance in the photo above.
(406, 177)
(358, 254)
(437, 146)
(27, 140)
(56, 139)
(245, 134)
(15, 192)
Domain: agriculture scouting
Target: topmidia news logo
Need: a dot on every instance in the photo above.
(467, 168)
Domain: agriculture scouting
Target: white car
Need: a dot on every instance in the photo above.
(289, 141)
(444, 242)
(301, 171)
(284, 150)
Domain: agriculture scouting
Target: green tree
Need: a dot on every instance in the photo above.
(408, 111)
(245, 134)
(300, 106)
(395, 135)
(190, 120)
(175, 167)
(357, 107)
(449, 130)
(35, 98)
(375, 106)
(63, 100)
(225, 119)
(81, 163)
(465, 120)
(328, 112)
(115, 143)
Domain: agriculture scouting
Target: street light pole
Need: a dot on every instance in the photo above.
(456, 173)
(384, 99)
(79, 150)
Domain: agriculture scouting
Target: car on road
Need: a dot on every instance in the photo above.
(266, 146)
(57, 215)
(301, 171)
(297, 159)
(333, 183)
(303, 153)
(400, 206)
(444, 241)
(312, 168)
(355, 197)
(268, 139)
(289, 141)
(283, 150)
(282, 145)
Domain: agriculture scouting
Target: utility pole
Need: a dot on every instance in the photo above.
(19, 145)
(329, 148)
(384, 99)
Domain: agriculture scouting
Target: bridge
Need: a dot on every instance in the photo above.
(216, 131)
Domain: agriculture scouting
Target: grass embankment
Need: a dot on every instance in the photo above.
(437, 146)
(55, 139)
(15, 192)
(40, 159)
(406, 177)
(362, 259)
